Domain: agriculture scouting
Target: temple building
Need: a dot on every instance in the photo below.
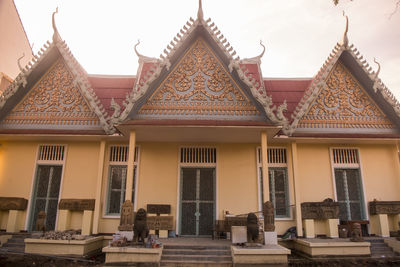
(201, 130)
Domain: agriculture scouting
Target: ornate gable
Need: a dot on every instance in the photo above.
(199, 87)
(54, 102)
(343, 104)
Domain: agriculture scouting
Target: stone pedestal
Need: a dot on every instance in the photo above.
(268, 254)
(132, 255)
(64, 218)
(381, 224)
(239, 234)
(87, 222)
(12, 222)
(163, 233)
(308, 225)
(270, 238)
(332, 228)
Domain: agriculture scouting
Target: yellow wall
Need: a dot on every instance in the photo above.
(315, 173)
(80, 171)
(380, 171)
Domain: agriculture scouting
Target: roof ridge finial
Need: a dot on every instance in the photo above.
(345, 40)
(19, 63)
(200, 11)
(262, 53)
(56, 35)
(137, 53)
(379, 69)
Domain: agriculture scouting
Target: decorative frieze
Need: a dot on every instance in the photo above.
(343, 103)
(13, 203)
(160, 222)
(158, 209)
(199, 86)
(327, 209)
(76, 204)
(384, 207)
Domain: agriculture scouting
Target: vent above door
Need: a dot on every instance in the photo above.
(205, 155)
(51, 153)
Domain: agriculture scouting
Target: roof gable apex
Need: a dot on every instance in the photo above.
(36, 69)
(350, 57)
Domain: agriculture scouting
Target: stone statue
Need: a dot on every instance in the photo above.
(140, 229)
(356, 234)
(41, 221)
(126, 221)
(269, 217)
(252, 228)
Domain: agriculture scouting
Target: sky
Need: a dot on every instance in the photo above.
(299, 34)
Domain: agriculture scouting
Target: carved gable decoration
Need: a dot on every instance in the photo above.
(344, 104)
(199, 87)
(54, 102)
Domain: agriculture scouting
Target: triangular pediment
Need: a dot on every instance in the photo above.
(342, 105)
(55, 102)
(199, 87)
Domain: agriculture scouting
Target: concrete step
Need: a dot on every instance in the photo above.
(197, 247)
(193, 258)
(195, 252)
(195, 264)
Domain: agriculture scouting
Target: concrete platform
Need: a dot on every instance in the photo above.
(64, 247)
(267, 254)
(316, 247)
(132, 254)
(393, 243)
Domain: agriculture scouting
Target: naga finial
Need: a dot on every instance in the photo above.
(19, 63)
(262, 53)
(200, 11)
(56, 35)
(345, 40)
(379, 69)
(376, 81)
(137, 53)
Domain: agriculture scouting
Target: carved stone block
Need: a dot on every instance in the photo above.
(327, 209)
(384, 207)
(126, 220)
(76, 204)
(160, 222)
(13, 203)
(158, 209)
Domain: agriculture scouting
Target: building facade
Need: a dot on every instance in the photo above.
(198, 129)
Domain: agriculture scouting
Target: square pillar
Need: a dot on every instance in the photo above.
(64, 219)
(383, 224)
(87, 222)
(295, 170)
(12, 222)
(131, 165)
(309, 228)
(99, 185)
(264, 159)
(332, 228)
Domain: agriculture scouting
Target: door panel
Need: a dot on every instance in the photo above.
(197, 201)
(45, 197)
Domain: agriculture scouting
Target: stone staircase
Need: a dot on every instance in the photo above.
(380, 250)
(193, 255)
(15, 243)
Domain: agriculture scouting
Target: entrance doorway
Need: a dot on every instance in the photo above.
(45, 196)
(197, 201)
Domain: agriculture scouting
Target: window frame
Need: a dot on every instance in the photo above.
(110, 165)
(272, 166)
(351, 165)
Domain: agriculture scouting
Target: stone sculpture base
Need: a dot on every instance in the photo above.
(239, 234)
(132, 255)
(271, 238)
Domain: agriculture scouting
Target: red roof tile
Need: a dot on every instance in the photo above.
(108, 87)
(291, 90)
